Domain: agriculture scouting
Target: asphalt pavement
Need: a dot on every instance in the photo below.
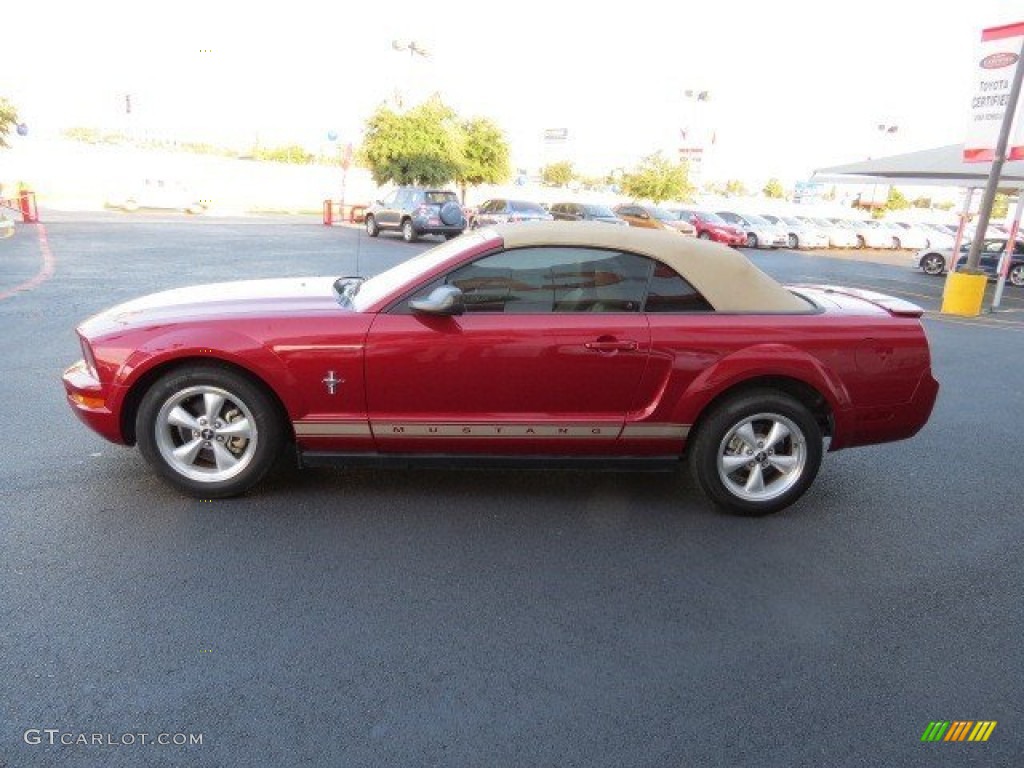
(375, 618)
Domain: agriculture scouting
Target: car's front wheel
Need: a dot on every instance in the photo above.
(756, 452)
(408, 231)
(211, 432)
(1017, 275)
(794, 242)
(751, 240)
(704, 235)
(371, 226)
(933, 264)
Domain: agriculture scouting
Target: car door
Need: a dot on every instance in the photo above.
(991, 251)
(546, 359)
(387, 215)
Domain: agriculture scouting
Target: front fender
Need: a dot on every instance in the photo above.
(766, 361)
(216, 345)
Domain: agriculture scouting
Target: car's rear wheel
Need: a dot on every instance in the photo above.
(371, 226)
(408, 231)
(751, 240)
(704, 235)
(756, 452)
(794, 243)
(209, 431)
(1017, 275)
(896, 244)
(860, 242)
(932, 264)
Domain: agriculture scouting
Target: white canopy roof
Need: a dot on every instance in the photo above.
(942, 166)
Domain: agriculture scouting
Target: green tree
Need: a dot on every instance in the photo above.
(8, 119)
(735, 188)
(558, 174)
(420, 146)
(773, 189)
(921, 202)
(657, 178)
(290, 153)
(896, 200)
(1000, 206)
(484, 156)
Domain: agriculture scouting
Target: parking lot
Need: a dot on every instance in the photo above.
(351, 618)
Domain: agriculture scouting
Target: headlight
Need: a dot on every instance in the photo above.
(89, 358)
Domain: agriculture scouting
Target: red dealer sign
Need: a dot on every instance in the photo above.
(994, 67)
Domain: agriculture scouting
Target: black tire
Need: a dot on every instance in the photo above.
(860, 242)
(716, 437)
(896, 244)
(159, 432)
(932, 263)
(751, 240)
(1016, 276)
(451, 214)
(451, 235)
(371, 226)
(704, 235)
(409, 231)
(794, 241)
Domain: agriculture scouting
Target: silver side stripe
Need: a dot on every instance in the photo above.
(332, 429)
(573, 431)
(390, 429)
(656, 431)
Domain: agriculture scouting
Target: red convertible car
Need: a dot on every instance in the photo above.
(533, 345)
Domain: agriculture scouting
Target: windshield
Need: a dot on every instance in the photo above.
(793, 222)
(440, 198)
(753, 218)
(523, 206)
(662, 215)
(710, 218)
(599, 210)
(379, 286)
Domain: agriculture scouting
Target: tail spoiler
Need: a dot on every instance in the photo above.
(891, 304)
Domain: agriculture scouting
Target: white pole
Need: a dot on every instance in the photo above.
(1007, 257)
(968, 199)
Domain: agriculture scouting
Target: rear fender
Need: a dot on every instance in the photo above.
(766, 361)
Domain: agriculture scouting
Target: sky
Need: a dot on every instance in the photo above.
(793, 86)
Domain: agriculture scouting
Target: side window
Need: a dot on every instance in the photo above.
(389, 201)
(669, 292)
(994, 246)
(553, 279)
(1018, 248)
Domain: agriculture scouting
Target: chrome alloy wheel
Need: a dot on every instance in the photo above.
(762, 457)
(206, 434)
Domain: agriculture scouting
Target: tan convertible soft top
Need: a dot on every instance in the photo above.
(725, 277)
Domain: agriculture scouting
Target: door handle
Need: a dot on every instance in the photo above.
(611, 345)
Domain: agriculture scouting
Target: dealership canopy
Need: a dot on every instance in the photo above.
(942, 166)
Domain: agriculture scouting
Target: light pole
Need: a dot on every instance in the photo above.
(695, 137)
(415, 49)
(884, 129)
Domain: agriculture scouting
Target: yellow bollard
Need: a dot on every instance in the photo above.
(963, 294)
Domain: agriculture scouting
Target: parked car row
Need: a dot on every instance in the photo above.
(415, 212)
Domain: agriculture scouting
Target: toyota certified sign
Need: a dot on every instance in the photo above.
(993, 73)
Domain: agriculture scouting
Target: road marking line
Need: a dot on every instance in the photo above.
(45, 271)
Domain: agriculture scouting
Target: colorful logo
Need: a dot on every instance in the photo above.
(958, 730)
(999, 60)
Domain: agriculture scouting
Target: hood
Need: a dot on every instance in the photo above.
(217, 301)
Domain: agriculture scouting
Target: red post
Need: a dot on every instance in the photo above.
(27, 202)
(328, 213)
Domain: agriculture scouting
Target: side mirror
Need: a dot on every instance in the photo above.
(444, 300)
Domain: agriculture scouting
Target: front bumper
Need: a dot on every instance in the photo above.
(90, 402)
